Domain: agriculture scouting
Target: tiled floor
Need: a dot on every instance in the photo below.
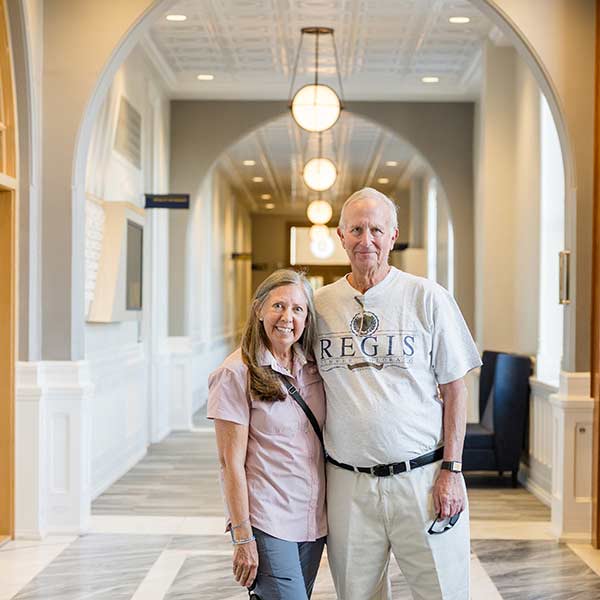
(157, 534)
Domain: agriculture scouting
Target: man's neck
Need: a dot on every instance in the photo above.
(362, 281)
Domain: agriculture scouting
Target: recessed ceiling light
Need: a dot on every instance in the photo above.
(176, 17)
(459, 20)
(258, 179)
(430, 79)
(391, 163)
(383, 180)
(249, 163)
(265, 197)
(269, 206)
(205, 77)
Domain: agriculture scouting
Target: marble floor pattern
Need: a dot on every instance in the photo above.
(157, 534)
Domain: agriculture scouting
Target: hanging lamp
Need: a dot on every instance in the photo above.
(322, 247)
(319, 212)
(319, 173)
(316, 107)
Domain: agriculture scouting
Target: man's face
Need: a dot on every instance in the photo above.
(367, 236)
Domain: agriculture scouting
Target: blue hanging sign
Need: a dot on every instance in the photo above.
(167, 201)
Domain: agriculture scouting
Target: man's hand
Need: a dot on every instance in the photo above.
(449, 494)
(245, 563)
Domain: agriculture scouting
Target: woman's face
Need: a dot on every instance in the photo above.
(283, 315)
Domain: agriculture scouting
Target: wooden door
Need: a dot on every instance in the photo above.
(595, 356)
(7, 361)
(8, 270)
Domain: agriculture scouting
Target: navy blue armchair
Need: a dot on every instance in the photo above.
(497, 441)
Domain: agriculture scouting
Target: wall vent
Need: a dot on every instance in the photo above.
(128, 138)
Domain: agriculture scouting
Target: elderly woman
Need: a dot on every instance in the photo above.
(272, 465)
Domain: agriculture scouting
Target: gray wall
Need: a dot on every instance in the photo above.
(443, 133)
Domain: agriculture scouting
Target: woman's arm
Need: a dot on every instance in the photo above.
(232, 442)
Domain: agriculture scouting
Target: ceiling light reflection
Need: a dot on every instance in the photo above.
(459, 20)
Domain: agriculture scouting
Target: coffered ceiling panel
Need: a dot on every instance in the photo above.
(385, 47)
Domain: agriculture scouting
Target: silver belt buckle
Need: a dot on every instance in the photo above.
(408, 467)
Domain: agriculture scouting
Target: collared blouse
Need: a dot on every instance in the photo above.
(285, 469)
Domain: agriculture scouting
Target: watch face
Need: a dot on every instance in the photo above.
(452, 465)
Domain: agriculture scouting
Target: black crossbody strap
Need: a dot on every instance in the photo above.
(295, 394)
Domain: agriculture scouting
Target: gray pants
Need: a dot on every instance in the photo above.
(286, 570)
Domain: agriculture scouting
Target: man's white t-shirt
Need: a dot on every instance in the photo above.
(382, 355)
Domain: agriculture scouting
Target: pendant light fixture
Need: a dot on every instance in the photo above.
(319, 173)
(319, 212)
(316, 107)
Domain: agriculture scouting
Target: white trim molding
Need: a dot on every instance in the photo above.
(536, 476)
(181, 396)
(53, 448)
(572, 414)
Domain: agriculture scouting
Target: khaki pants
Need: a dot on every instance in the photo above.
(369, 516)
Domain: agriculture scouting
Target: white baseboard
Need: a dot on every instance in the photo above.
(119, 465)
(575, 538)
(531, 486)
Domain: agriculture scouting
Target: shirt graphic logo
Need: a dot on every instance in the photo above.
(364, 323)
(365, 346)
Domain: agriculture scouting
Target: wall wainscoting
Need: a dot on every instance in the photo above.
(53, 489)
(536, 475)
(119, 414)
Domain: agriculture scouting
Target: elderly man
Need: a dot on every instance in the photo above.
(393, 349)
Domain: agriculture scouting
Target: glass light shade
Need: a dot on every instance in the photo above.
(322, 247)
(316, 107)
(319, 212)
(319, 174)
(318, 231)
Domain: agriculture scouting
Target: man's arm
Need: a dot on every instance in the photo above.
(448, 492)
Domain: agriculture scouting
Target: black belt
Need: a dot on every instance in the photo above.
(394, 468)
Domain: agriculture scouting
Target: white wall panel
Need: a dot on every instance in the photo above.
(129, 362)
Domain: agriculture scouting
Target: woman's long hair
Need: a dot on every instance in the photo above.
(264, 384)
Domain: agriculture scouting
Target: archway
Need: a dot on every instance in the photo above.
(502, 18)
(72, 310)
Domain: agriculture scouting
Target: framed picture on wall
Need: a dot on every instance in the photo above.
(135, 244)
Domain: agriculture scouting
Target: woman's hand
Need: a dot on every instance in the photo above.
(245, 563)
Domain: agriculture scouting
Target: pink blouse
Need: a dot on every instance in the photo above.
(284, 461)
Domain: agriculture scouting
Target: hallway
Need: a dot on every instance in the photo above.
(157, 533)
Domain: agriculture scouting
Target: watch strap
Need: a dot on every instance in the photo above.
(452, 465)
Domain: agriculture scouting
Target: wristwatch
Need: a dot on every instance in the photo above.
(452, 465)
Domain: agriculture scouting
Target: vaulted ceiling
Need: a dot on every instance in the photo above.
(385, 48)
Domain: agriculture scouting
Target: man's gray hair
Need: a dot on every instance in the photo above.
(370, 194)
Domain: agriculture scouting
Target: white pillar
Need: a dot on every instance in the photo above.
(572, 413)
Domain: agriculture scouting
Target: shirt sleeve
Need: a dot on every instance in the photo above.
(453, 351)
(227, 397)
